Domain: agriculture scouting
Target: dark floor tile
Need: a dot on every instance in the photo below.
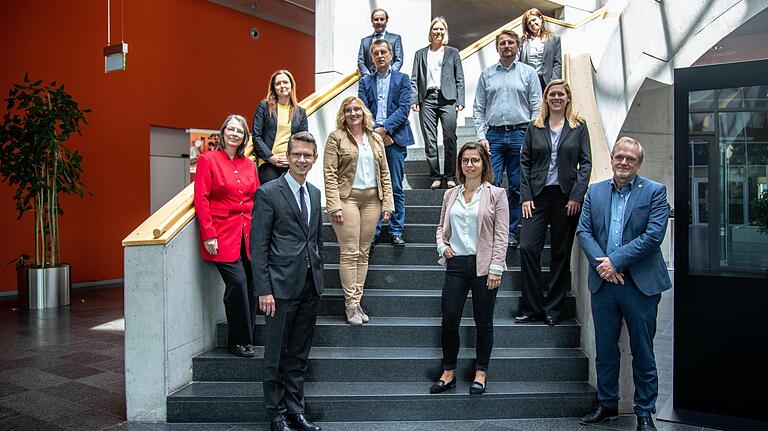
(38, 361)
(197, 427)
(116, 352)
(256, 427)
(41, 406)
(86, 357)
(31, 378)
(132, 426)
(629, 423)
(26, 423)
(557, 424)
(9, 389)
(107, 380)
(109, 403)
(75, 391)
(88, 420)
(369, 426)
(72, 371)
(458, 426)
(6, 413)
(116, 365)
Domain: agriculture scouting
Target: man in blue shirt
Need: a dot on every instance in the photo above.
(379, 20)
(622, 225)
(508, 97)
(387, 94)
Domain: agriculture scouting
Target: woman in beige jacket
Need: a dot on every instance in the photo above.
(357, 191)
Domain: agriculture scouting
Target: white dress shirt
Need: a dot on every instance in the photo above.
(365, 173)
(434, 67)
(295, 186)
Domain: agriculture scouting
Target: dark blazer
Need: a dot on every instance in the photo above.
(398, 105)
(451, 76)
(281, 247)
(574, 161)
(645, 223)
(364, 61)
(552, 68)
(265, 128)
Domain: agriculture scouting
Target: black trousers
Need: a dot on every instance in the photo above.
(239, 302)
(550, 211)
(269, 172)
(287, 341)
(460, 277)
(435, 107)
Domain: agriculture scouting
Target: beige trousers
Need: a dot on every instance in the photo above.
(361, 212)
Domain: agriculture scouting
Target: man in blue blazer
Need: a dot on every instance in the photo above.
(622, 225)
(379, 20)
(387, 94)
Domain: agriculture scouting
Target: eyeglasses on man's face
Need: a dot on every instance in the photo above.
(299, 156)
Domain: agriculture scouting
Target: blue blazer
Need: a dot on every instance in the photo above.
(364, 61)
(645, 222)
(398, 105)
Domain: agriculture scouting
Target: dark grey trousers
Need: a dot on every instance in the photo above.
(435, 107)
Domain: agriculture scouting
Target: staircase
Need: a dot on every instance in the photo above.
(382, 371)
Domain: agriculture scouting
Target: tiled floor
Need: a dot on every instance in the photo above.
(63, 370)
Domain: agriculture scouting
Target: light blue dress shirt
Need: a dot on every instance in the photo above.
(382, 97)
(619, 200)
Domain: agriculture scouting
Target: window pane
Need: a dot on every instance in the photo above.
(704, 99)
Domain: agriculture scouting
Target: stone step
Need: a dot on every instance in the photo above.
(415, 232)
(419, 277)
(416, 254)
(384, 401)
(367, 364)
(422, 303)
(333, 331)
(415, 214)
(424, 197)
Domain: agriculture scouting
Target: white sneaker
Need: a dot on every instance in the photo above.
(353, 317)
(362, 313)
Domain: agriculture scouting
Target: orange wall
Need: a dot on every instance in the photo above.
(190, 63)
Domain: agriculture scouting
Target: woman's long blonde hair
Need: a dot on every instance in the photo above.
(573, 119)
(341, 123)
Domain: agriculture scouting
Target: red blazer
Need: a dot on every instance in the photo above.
(224, 191)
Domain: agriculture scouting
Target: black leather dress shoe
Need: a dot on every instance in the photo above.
(299, 422)
(600, 414)
(551, 321)
(645, 423)
(525, 318)
(441, 386)
(241, 351)
(279, 426)
(397, 241)
(477, 388)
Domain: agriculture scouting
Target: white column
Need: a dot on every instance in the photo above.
(340, 24)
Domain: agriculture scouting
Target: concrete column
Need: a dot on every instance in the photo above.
(340, 24)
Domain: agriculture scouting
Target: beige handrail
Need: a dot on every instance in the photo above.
(167, 221)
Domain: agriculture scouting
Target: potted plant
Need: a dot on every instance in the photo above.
(39, 119)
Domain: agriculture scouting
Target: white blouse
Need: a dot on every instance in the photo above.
(365, 174)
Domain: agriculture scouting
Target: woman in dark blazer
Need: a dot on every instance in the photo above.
(437, 81)
(225, 184)
(540, 48)
(277, 118)
(472, 241)
(555, 166)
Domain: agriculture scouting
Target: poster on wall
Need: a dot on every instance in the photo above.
(201, 141)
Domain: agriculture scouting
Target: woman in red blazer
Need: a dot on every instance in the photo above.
(225, 184)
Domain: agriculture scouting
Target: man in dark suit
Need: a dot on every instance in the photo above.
(286, 257)
(379, 20)
(622, 225)
(387, 94)
(437, 82)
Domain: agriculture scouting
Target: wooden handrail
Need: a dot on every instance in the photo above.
(166, 222)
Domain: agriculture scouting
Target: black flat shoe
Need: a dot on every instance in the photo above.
(241, 351)
(645, 423)
(477, 388)
(441, 386)
(598, 415)
(551, 321)
(299, 422)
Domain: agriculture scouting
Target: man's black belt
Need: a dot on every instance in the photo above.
(507, 128)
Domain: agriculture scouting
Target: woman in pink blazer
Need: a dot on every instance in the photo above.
(225, 184)
(472, 241)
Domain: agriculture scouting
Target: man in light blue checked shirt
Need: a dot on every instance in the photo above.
(508, 97)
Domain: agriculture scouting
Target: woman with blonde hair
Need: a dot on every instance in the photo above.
(555, 166)
(277, 118)
(437, 81)
(357, 191)
(540, 48)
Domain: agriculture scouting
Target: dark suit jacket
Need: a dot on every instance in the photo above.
(398, 105)
(364, 61)
(265, 128)
(451, 76)
(281, 247)
(574, 161)
(552, 68)
(645, 222)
